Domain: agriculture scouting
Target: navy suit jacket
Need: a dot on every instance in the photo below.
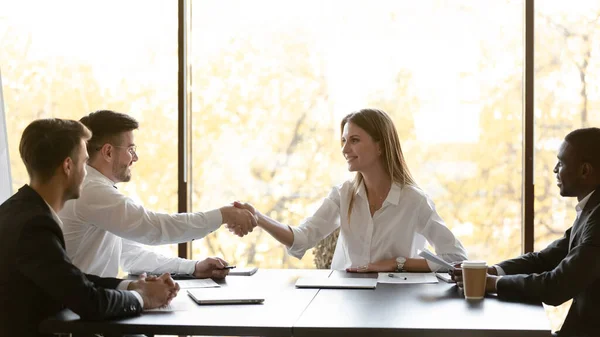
(37, 279)
(569, 268)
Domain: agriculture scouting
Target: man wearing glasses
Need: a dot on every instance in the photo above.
(104, 229)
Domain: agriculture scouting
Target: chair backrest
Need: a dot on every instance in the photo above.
(324, 250)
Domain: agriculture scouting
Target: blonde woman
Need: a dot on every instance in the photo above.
(383, 215)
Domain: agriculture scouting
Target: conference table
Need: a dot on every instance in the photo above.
(389, 310)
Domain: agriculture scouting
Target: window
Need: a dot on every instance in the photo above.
(272, 81)
(567, 97)
(88, 56)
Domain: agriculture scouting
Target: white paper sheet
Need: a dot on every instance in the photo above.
(198, 283)
(180, 303)
(407, 278)
(429, 256)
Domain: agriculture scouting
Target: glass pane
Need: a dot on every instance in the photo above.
(88, 56)
(567, 97)
(272, 81)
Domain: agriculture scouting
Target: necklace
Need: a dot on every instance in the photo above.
(376, 203)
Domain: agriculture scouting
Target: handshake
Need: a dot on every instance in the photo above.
(240, 218)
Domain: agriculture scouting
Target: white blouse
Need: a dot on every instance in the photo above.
(406, 219)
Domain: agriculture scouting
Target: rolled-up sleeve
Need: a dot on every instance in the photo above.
(318, 226)
(108, 209)
(446, 245)
(136, 259)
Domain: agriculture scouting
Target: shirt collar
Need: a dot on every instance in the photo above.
(95, 175)
(54, 215)
(393, 196)
(581, 205)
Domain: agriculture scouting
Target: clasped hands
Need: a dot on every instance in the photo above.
(156, 291)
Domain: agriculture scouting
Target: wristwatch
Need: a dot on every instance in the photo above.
(400, 263)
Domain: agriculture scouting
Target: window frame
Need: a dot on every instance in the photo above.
(185, 121)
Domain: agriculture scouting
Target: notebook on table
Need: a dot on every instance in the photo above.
(248, 271)
(337, 283)
(223, 296)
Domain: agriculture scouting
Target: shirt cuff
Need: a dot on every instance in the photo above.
(296, 249)
(124, 285)
(187, 267)
(214, 218)
(138, 296)
(496, 285)
(499, 270)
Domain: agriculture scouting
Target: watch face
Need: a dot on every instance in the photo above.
(400, 259)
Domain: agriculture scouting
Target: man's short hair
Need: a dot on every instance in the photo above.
(46, 143)
(107, 127)
(586, 143)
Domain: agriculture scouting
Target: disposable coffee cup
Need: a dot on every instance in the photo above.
(474, 277)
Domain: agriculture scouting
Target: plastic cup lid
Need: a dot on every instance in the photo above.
(474, 264)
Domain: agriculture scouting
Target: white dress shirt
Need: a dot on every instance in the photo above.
(578, 208)
(123, 285)
(405, 220)
(101, 226)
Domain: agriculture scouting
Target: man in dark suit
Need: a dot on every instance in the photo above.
(37, 279)
(569, 268)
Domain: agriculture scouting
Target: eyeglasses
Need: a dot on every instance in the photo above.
(131, 149)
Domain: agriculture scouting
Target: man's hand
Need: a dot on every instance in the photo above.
(239, 229)
(490, 281)
(239, 220)
(211, 267)
(456, 273)
(245, 205)
(156, 292)
(379, 266)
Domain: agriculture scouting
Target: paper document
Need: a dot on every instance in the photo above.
(197, 283)
(407, 278)
(429, 256)
(179, 303)
(168, 308)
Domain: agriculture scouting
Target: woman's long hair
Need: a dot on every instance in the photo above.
(380, 127)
